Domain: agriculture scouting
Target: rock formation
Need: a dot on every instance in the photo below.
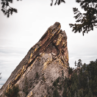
(44, 63)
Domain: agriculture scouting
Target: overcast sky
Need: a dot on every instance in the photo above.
(22, 30)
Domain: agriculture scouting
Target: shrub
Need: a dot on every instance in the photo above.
(55, 93)
(37, 75)
(12, 92)
(25, 90)
(56, 82)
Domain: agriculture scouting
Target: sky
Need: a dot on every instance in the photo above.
(24, 29)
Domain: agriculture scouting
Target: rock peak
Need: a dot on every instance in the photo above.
(48, 59)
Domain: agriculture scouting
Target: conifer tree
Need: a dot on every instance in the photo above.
(90, 93)
(86, 21)
(56, 94)
(65, 91)
(69, 94)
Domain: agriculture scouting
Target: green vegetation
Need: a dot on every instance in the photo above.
(13, 92)
(70, 70)
(56, 82)
(37, 75)
(56, 94)
(8, 10)
(83, 82)
(25, 90)
(86, 21)
(43, 78)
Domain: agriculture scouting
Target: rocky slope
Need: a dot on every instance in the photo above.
(42, 66)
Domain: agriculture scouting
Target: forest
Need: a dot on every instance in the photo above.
(82, 81)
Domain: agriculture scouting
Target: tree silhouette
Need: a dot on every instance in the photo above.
(57, 2)
(8, 10)
(79, 64)
(85, 22)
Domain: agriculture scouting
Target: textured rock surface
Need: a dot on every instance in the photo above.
(44, 63)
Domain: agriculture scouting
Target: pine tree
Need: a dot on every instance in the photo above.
(90, 93)
(80, 93)
(65, 91)
(56, 94)
(86, 21)
(69, 94)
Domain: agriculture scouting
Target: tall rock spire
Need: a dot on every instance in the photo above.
(46, 61)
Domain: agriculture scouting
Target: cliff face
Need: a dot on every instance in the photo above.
(44, 63)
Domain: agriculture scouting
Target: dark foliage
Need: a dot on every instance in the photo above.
(56, 94)
(79, 63)
(65, 91)
(57, 2)
(86, 21)
(56, 82)
(12, 92)
(82, 84)
(37, 75)
(8, 10)
(25, 90)
(70, 70)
